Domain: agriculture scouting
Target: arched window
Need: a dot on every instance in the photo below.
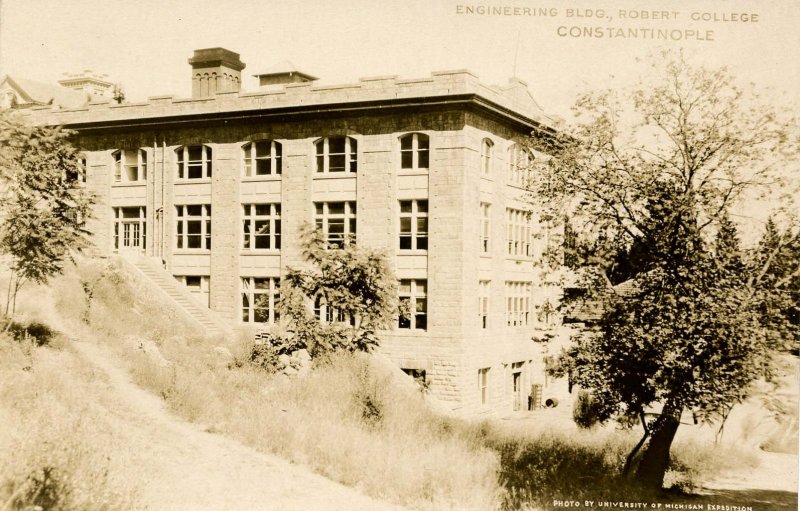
(130, 166)
(262, 158)
(194, 162)
(519, 161)
(486, 157)
(414, 151)
(337, 154)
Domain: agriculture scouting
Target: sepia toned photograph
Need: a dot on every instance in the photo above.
(399, 255)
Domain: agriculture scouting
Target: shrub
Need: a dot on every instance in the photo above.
(585, 410)
(39, 333)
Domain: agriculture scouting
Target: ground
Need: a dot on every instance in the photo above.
(189, 468)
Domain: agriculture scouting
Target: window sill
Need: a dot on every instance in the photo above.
(485, 255)
(519, 259)
(335, 175)
(404, 252)
(256, 179)
(487, 178)
(264, 252)
(408, 331)
(122, 184)
(205, 180)
(413, 172)
(518, 186)
(191, 251)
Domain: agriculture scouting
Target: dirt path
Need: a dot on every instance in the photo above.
(189, 469)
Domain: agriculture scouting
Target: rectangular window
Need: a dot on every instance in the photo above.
(262, 158)
(413, 225)
(130, 228)
(483, 384)
(337, 221)
(260, 297)
(483, 303)
(194, 162)
(337, 154)
(485, 224)
(198, 285)
(330, 314)
(518, 303)
(130, 166)
(518, 232)
(193, 227)
(414, 293)
(261, 226)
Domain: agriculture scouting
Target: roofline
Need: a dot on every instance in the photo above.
(21, 90)
(468, 100)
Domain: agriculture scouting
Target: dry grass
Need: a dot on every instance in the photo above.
(355, 420)
(57, 450)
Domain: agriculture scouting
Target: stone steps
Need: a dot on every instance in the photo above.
(204, 317)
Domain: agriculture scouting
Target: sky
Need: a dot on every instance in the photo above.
(144, 45)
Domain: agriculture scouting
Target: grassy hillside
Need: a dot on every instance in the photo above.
(353, 418)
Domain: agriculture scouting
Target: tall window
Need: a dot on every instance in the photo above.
(518, 232)
(194, 162)
(483, 303)
(337, 221)
(130, 228)
(193, 228)
(337, 154)
(517, 303)
(262, 158)
(329, 313)
(486, 157)
(485, 224)
(260, 297)
(261, 226)
(413, 292)
(519, 160)
(483, 384)
(130, 166)
(414, 225)
(414, 151)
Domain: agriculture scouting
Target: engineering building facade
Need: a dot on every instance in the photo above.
(217, 188)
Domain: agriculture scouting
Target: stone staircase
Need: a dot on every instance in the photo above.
(177, 293)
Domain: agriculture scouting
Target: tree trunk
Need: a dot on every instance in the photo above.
(655, 459)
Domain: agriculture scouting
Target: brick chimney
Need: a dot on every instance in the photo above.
(215, 70)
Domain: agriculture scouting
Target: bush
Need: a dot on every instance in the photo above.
(585, 410)
(39, 333)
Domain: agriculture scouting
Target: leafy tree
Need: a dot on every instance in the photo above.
(648, 176)
(351, 288)
(42, 206)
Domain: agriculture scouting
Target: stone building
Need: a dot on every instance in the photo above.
(431, 170)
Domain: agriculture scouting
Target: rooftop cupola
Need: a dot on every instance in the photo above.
(215, 70)
(282, 73)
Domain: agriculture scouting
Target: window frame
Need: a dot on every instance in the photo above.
(483, 385)
(248, 293)
(250, 159)
(415, 296)
(182, 219)
(349, 218)
(518, 303)
(414, 235)
(184, 164)
(485, 234)
(484, 293)
(487, 149)
(518, 233)
(323, 156)
(122, 166)
(415, 152)
(519, 160)
(119, 218)
(250, 218)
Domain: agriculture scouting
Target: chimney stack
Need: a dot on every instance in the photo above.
(215, 70)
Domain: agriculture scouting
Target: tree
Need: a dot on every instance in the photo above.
(649, 176)
(42, 208)
(339, 301)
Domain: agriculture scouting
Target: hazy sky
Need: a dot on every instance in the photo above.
(144, 44)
